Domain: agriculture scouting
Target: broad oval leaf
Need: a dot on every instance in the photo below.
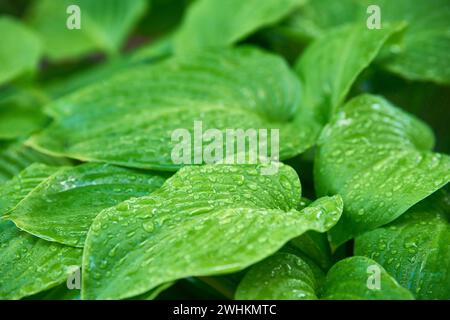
(379, 159)
(211, 23)
(20, 50)
(129, 119)
(415, 248)
(30, 265)
(351, 279)
(194, 226)
(104, 25)
(283, 276)
(62, 206)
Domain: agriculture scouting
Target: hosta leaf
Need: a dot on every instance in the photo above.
(283, 276)
(20, 115)
(415, 248)
(287, 276)
(332, 63)
(379, 159)
(29, 264)
(205, 220)
(15, 157)
(349, 279)
(104, 25)
(61, 208)
(141, 108)
(20, 50)
(15, 190)
(211, 23)
(423, 54)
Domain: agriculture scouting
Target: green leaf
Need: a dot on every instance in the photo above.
(349, 280)
(422, 55)
(61, 208)
(283, 276)
(15, 190)
(105, 25)
(205, 220)
(379, 159)
(15, 157)
(211, 23)
(315, 245)
(141, 108)
(60, 292)
(20, 114)
(31, 265)
(287, 276)
(415, 248)
(20, 50)
(330, 65)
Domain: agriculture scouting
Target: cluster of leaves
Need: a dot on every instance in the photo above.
(86, 177)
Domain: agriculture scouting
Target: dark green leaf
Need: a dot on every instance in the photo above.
(415, 248)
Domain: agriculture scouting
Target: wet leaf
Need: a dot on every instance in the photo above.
(349, 279)
(283, 276)
(141, 108)
(194, 226)
(415, 248)
(61, 207)
(30, 265)
(379, 159)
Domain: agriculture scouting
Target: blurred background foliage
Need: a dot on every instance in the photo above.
(118, 34)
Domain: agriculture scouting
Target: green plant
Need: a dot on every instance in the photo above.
(88, 180)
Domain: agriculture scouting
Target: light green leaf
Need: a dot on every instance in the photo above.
(415, 248)
(30, 265)
(283, 276)
(20, 49)
(61, 208)
(105, 25)
(205, 220)
(141, 108)
(379, 159)
(423, 54)
(20, 114)
(349, 279)
(15, 157)
(15, 190)
(332, 63)
(211, 23)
